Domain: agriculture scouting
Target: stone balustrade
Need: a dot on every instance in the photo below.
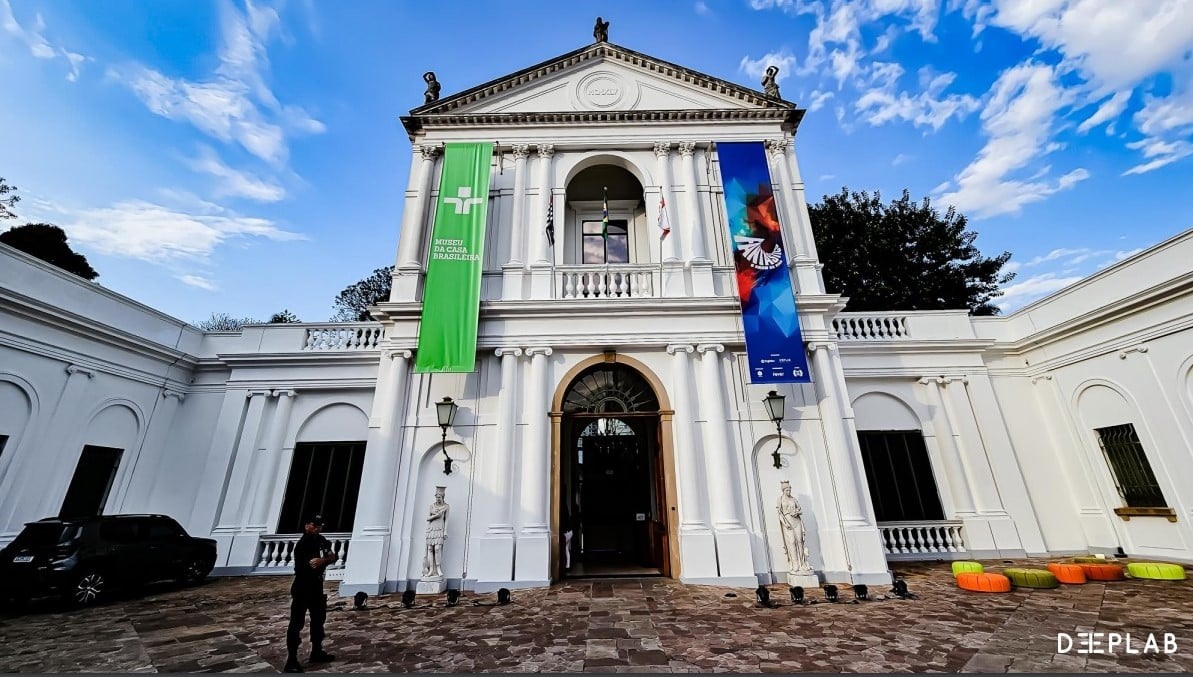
(871, 327)
(606, 282)
(275, 554)
(934, 539)
(343, 337)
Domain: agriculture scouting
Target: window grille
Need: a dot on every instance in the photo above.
(899, 475)
(1128, 462)
(324, 479)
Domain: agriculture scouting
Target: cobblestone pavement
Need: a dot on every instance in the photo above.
(632, 625)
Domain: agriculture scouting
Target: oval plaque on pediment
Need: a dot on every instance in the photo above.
(604, 90)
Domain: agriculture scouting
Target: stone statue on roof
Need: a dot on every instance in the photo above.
(601, 30)
(769, 86)
(433, 87)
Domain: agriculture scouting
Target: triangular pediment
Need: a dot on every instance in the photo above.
(602, 77)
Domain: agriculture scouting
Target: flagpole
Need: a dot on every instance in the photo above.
(551, 211)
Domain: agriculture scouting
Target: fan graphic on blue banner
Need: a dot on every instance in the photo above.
(774, 344)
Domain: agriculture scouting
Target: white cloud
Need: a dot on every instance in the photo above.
(151, 232)
(236, 183)
(1018, 121)
(900, 159)
(1109, 110)
(756, 68)
(36, 41)
(929, 108)
(198, 281)
(234, 105)
(819, 99)
(1163, 152)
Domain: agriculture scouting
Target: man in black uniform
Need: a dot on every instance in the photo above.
(312, 554)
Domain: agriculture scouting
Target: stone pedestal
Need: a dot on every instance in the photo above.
(804, 579)
(431, 586)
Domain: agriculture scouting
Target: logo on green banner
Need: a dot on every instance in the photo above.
(452, 294)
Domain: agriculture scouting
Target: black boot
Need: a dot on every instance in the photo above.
(318, 655)
(292, 665)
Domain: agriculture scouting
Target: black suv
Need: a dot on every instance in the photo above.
(83, 559)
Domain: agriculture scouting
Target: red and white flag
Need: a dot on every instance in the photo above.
(664, 224)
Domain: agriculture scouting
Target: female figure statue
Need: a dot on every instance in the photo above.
(794, 537)
(436, 532)
(770, 84)
(433, 86)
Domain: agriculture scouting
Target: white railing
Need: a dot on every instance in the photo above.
(605, 282)
(343, 337)
(867, 327)
(275, 554)
(922, 540)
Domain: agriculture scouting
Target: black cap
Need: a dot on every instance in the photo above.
(317, 520)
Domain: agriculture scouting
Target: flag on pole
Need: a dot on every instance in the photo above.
(605, 213)
(550, 222)
(664, 224)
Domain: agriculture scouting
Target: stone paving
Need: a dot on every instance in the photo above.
(620, 625)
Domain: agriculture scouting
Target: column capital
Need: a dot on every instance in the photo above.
(827, 346)
(173, 393)
(392, 353)
(285, 393)
(1122, 354)
(686, 148)
(710, 347)
(681, 348)
(429, 151)
(662, 148)
(502, 352)
(776, 146)
(964, 380)
(546, 150)
(250, 394)
(545, 351)
(1042, 377)
(73, 369)
(520, 150)
(929, 380)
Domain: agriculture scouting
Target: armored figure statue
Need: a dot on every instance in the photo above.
(436, 533)
(769, 86)
(794, 537)
(433, 86)
(601, 30)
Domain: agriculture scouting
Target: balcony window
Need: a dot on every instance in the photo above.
(603, 250)
(899, 475)
(324, 479)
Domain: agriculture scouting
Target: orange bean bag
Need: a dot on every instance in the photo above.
(977, 582)
(1067, 573)
(1103, 572)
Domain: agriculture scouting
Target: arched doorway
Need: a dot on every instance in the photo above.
(612, 481)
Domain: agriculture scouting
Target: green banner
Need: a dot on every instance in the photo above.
(452, 294)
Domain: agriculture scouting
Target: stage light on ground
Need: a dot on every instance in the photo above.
(830, 593)
(503, 596)
(900, 590)
(408, 599)
(359, 599)
(453, 596)
(797, 594)
(763, 596)
(861, 592)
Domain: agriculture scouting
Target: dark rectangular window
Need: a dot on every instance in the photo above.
(3, 443)
(612, 249)
(324, 479)
(1132, 473)
(899, 475)
(92, 482)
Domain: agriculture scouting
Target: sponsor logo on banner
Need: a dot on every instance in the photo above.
(774, 344)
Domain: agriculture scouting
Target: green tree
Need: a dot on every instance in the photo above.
(48, 243)
(284, 317)
(903, 256)
(224, 322)
(352, 304)
(7, 201)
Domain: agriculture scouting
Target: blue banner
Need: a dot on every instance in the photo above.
(774, 344)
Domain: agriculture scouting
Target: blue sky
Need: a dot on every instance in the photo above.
(246, 158)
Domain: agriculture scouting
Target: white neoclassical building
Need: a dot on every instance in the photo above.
(611, 391)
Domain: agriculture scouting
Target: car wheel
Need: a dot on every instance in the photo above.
(88, 589)
(195, 571)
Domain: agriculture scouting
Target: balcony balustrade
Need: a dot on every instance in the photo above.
(275, 554)
(935, 539)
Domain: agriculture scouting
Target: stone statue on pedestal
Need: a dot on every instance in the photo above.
(433, 87)
(770, 86)
(601, 30)
(432, 581)
(791, 523)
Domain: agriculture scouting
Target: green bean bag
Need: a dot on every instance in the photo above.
(1031, 578)
(1156, 571)
(967, 567)
(1090, 559)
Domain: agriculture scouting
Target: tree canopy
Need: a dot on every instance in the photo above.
(352, 304)
(224, 322)
(8, 199)
(903, 256)
(284, 317)
(48, 243)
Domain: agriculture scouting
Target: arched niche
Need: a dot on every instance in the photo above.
(339, 422)
(883, 411)
(797, 469)
(18, 410)
(116, 425)
(458, 496)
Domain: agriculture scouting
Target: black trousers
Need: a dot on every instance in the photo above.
(300, 604)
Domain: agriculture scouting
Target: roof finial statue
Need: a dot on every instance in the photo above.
(769, 86)
(601, 30)
(433, 86)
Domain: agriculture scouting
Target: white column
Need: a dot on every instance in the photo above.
(241, 549)
(46, 500)
(271, 460)
(793, 235)
(494, 560)
(671, 246)
(694, 236)
(809, 276)
(697, 545)
(539, 246)
(410, 240)
(365, 569)
(735, 564)
(833, 418)
(950, 453)
(533, 552)
(980, 486)
(520, 224)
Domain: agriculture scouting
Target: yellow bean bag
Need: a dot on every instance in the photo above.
(967, 567)
(975, 582)
(1156, 571)
(1090, 559)
(1031, 578)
